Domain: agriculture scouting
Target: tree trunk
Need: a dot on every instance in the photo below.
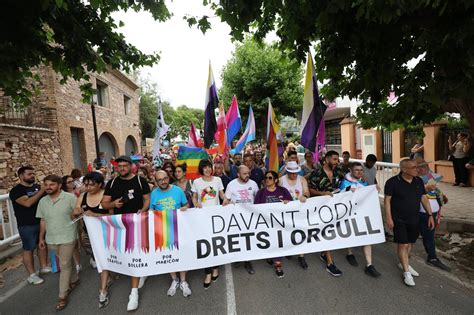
(465, 107)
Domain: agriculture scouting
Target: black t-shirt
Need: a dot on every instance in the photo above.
(406, 198)
(130, 190)
(25, 215)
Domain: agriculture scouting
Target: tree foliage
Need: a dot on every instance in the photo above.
(178, 119)
(421, 50)
(257, 72)
(74, 37)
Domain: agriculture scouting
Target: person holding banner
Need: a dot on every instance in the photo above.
(168, 197)
(352, 181)
(127, 193)
(403, 195)
(272, 192)
(206, 192)
(89, 204)
(55, 212)
(242, 190)
(324, 181)
(298, 187)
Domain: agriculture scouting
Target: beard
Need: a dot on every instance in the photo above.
(30, 180)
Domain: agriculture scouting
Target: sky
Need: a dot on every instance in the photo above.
(181, 74)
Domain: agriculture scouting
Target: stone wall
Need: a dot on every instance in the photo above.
(28, 145)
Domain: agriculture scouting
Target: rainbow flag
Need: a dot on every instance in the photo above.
(273, 134)
(232, 118)
(248, 135)
(313, 108)
(210, 124)
(221, 134)
(191, 156)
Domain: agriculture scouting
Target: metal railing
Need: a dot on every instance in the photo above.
(9, 229)
(384, 172)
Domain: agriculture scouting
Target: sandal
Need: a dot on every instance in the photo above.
(62, 303)
(73, 285)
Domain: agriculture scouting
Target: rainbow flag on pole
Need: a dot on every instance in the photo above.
(313, 108)
(191, 156)
(273, 133)
(232, 118)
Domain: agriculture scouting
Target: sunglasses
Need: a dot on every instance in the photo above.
(269, 177)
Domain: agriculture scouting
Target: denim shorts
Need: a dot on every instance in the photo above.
(29, 235)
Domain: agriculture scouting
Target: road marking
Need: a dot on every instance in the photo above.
(12, 291)
(230, 291)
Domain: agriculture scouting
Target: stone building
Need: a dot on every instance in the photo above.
(55, 134)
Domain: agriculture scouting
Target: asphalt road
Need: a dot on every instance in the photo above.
(299, 292)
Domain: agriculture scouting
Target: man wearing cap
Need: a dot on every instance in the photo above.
(127, 193)
(298, 188)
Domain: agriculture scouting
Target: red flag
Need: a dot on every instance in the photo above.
(194, 138)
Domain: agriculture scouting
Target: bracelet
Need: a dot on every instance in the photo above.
(430, 215)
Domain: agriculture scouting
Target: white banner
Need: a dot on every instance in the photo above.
(159, 242)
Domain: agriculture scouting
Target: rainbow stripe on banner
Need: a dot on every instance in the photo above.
(166, 230)
(126, 233)
(191, 156)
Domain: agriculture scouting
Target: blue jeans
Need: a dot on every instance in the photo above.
(428, 235)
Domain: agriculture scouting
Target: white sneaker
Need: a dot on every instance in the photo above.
(184, 286)
(78, 268)
(413, 272)
(93, 264)
(408, 279)
(132, 302)
(141, 283)
(34, 279)
(173, 287)
(45, 270)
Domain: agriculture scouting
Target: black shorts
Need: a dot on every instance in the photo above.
(404, 233)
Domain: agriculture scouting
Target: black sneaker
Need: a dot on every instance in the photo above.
(438, 263)
(303, 263)
(352, 260)
(371, 271)
(103, 299)
(248, 266)
(333, 270)
(323, 258)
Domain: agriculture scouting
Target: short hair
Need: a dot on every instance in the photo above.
(250, 155)
(53, 178)
(404, 162)
(354, 164)
(346, 152)
(371, 158)
(144, 169)
(168, 164)
(24, 168)
(94, 177)
(202, 164)
(330, 153)
(183, 167)
(291, 152)
(310, 153)
(238, 153)
(464, 134)
(76, 173)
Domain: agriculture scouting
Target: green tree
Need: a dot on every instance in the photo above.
(74, 37)
(421, 50)
(257, 72)
(182, 118)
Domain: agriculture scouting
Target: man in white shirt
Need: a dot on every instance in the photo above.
(242, 190)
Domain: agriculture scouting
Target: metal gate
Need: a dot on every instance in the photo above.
(386, 146)
(76, 148)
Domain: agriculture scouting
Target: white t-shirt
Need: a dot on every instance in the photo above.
(208, 192)
(370, 174)
(241, 193)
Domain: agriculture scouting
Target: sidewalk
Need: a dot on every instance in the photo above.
(461, 202)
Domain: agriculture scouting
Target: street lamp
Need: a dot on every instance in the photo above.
(94, 123)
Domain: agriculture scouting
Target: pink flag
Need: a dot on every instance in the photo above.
(221, 134)
(321, 138)
(194, 138)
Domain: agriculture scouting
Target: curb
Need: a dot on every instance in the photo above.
(452, 225)
(10, 252)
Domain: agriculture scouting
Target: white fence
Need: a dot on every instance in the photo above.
(9, 229)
